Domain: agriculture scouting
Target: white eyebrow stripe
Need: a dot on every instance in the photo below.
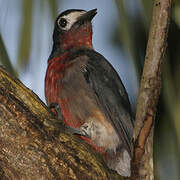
(71, 18)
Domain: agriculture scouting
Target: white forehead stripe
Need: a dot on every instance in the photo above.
(72, 18)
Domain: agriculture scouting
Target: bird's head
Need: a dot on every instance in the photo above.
(73, 29)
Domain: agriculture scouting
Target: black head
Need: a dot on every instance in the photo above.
(73, 28)
(69, 18)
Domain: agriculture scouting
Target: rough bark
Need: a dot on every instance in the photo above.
(35, 145)
(142, 164)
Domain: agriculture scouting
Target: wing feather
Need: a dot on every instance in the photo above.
(110, 94)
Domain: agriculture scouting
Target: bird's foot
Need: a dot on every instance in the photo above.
(76, 131)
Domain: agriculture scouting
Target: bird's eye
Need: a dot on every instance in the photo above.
(62, 22)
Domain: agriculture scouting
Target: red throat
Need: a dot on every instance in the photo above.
(77, 38)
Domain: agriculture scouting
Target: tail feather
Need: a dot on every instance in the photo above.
(120, 162)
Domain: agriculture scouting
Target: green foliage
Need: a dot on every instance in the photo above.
(53, 8)
(26, 28)
(4, 58)
(126, 33)
(25, 33)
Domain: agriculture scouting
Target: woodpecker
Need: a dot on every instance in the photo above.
(88, 90)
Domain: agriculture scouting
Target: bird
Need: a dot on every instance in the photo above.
(88, 90)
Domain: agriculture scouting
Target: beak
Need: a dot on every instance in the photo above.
(88, 16)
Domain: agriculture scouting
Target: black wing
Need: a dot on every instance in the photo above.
(110, 94)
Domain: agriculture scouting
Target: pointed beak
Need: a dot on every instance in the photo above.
(88, 16)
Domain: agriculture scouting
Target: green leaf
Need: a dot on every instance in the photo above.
(4, 58)
(53, 8)
(25, 33)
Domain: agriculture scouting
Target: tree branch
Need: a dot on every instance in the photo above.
(142, 164)
(35, 145)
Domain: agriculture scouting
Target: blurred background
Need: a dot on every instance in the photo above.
(120, 34)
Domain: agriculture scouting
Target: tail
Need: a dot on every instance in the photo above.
(119, 161)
